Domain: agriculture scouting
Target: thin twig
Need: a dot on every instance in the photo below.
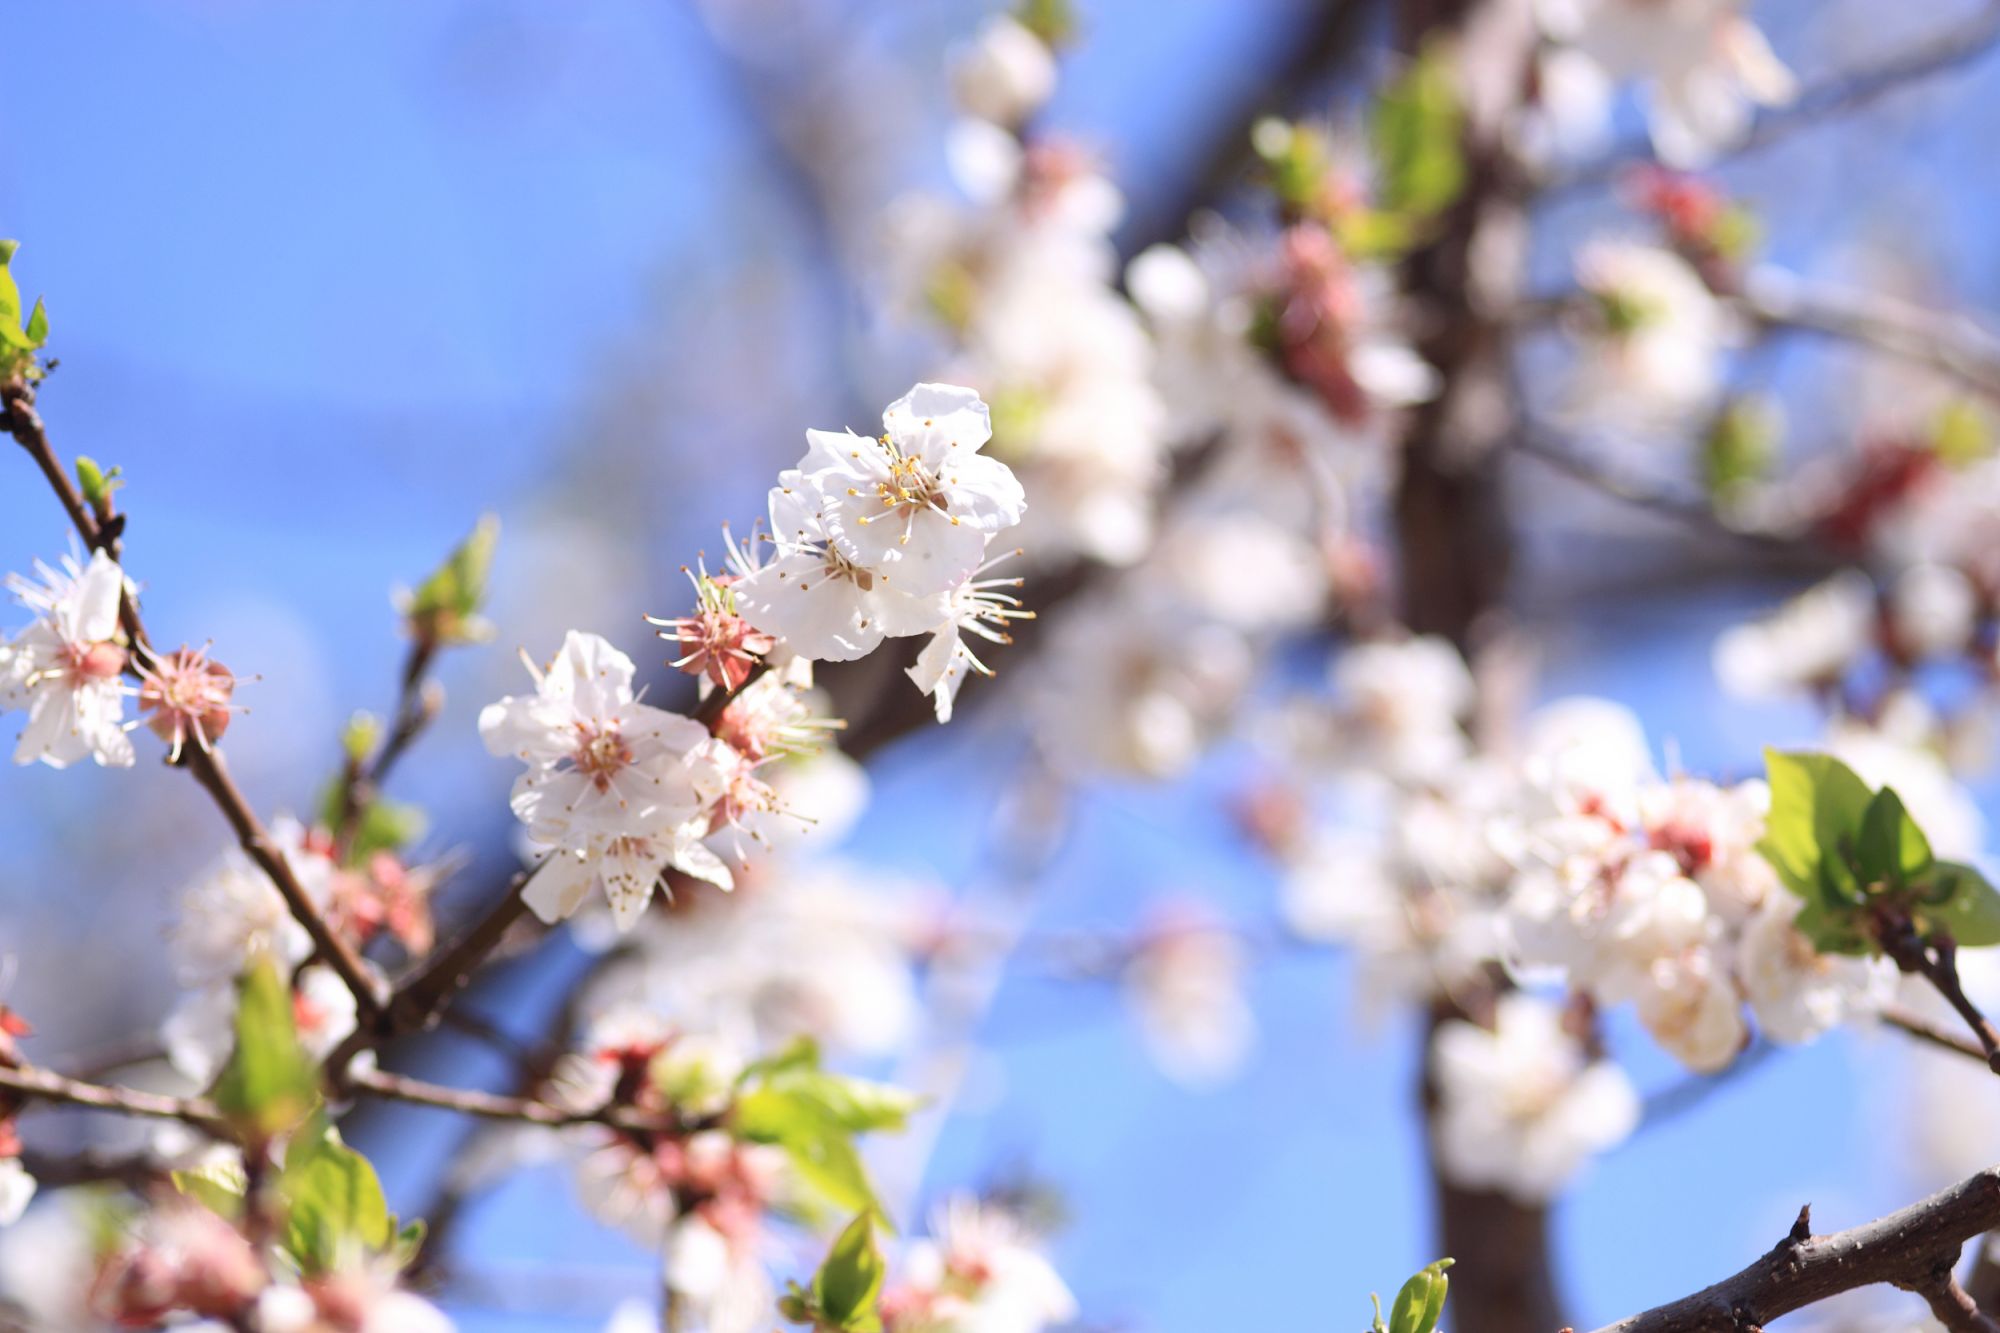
(416, 707)
(524, 1110)
(1936, 961)
(39, 1085)
(1951, 343)
(20, 419)
(1924, 1030)
(67, 1170)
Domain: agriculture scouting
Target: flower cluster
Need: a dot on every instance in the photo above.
(1652, 892)
(66, 669)
(872, 537)
(1018, 277)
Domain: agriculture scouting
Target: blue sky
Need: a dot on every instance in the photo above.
(330, 281)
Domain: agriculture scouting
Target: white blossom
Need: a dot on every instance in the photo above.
(1704, 65)
(232, 910)
(64, 669)
(1812, 640)
(17, 1190)
(1933, 609)
(979, 1271)
(978, 607)
(915, 505)
(1795, 991)
(1522, 1106)
(1648, 355)
(1403, 704)
(609, 785)
(814, 596)
(1005, 74)
(1689, 1002)
(1185, 984)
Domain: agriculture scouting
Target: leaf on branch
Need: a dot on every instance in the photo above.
(1740, 448)
(1969, 908)
(1417, 131)
(334, 1201)
(1848, 852)
(847, 1284)
(270, 1084)
(1817, 805)
(1420, 1304)
(815, 1115)
(1891, 848)
(18, 342)
(94, 482)
(218, 1187)
(445, 607)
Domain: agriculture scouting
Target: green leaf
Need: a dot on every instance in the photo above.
(849, 1281)
(1297, 160)
(814, 1115)
(409, 1241)
(333, 1200)
(218, 1187)
(819, 1148)
(358, 740)
(1369, 233)
(95, 483)
(1054, 21)
(1417, 130)
(1962, 434)
(38, 324)
(1970, 907)
(10, 291)
(1817, 804)
(1891, 848)
(1740, 448)
(445, 607)
(270, 1084)
(1420, 1304)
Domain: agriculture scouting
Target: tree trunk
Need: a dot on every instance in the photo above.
(1453, 543)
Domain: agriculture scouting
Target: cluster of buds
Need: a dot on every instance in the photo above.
(1712, 232)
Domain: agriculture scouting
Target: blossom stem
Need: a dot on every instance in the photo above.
(21, 421)
(363, 781)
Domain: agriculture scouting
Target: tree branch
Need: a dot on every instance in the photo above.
(526, 1110)
(1948, 342)
(1936, 961)
(1916, 1025)
(1914, 1248)
(19, 418)
(1953, 1306)
(21, 1084)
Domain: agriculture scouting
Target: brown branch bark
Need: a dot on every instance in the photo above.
(21, 1084)
(1914, 1248)
(524, 1110)
(1936, 961)
(24, 423)
(1452, 542)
